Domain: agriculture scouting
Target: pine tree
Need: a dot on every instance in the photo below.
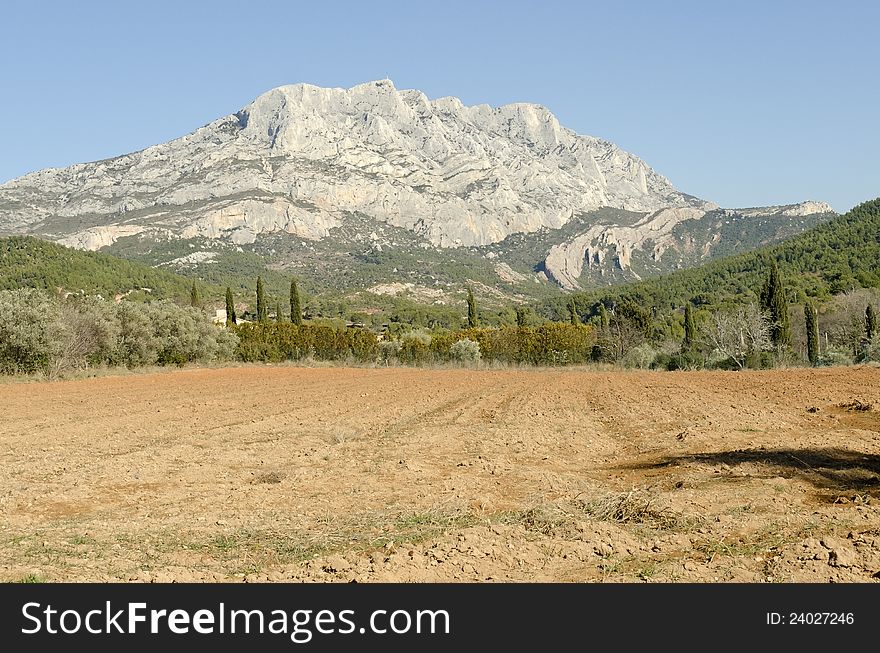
(194, 300)
(262, 309)
(812, 324)
(690, 329)
(572, 313)
(295, 306)
(870, 323)
(774, 303)
(473, 322)
(521, 313)
(230, 308)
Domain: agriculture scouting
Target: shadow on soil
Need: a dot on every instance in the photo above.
(839, 470)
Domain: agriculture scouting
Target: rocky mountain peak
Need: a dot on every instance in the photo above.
(300, 160)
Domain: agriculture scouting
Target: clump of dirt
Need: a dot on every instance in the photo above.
(856, 405)
(269, 477)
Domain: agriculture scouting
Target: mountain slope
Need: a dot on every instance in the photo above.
(837, 255)
(372, 185)
(27, 262)
(299, 156)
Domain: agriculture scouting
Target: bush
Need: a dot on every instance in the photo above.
(761, 360)
(684, 360)
(363, 345)
(227, 344)
(92, 333)
(465, 351)
(415, 347)
(177, 333)
(389, 351)
(168, 334)
(641, 357)
(31, 331)
(274, 342)
(549, 344)
(834, 356)
(871, 351)
(136, 344)
(38, 333)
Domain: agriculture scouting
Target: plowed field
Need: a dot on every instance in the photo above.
(285, 473)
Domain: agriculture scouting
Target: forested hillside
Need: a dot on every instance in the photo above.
(27, 262)
(836, 256)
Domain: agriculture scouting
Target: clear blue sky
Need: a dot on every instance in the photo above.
(744, 103)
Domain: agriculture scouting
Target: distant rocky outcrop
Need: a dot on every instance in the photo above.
(652, 236)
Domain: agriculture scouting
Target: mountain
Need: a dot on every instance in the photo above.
(372, 185)
(838, 255)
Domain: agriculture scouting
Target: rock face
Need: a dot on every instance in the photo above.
(299, 156)
(791, 210)
(324, 180)
(665, 232)
(565, 262)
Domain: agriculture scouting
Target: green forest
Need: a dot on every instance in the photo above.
(27, 262)
(837, 256)
(811, 300)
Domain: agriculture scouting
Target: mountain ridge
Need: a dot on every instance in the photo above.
(301, 162)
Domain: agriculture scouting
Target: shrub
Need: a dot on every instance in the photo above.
(563, 343)
(686, 359)
(183, 334)
(31, 331)
(275, 342)
(549, 344)
(641, 357)
(415, 347)
(835, 356)
(255, 344)
(362, 344)
(136, 344)
(871, 352)
(389, 351)
(465, 351)
(227, 344)
(39, 333)
(92, 333)
(761, 360)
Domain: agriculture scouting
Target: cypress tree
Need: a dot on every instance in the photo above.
(604, 320)
(870, 322)
(262, 309)
(520, 317)
(473, 322)
(812, 333)
(572, 313)
(231, 318)
(690, 329)
(295, 307)
(278, 315)
(774, 303)
(194, 300)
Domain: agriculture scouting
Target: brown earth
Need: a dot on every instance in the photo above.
(284, 473)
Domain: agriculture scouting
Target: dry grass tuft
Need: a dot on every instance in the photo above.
(269, 477)
(635, 507)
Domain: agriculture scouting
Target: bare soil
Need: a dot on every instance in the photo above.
(335, 474)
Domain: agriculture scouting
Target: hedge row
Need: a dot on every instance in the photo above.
(274, 342)
(548, 344)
